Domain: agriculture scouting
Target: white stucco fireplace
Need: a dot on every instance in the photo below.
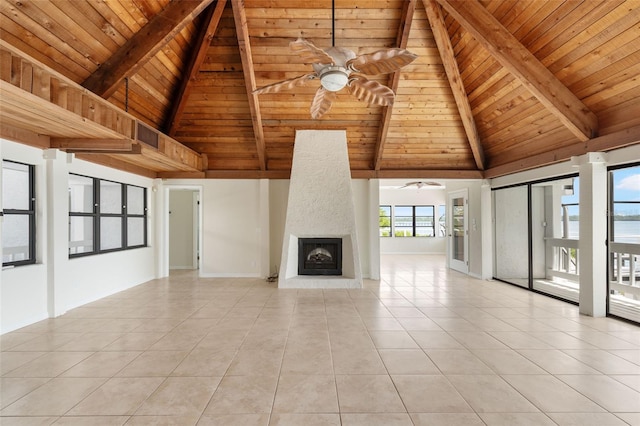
(320, 210)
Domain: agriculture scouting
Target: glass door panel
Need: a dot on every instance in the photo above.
(458, 235)
(554, 233)
(624, 243)
(511, 231)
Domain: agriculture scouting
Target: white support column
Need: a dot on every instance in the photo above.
(374, 229)
(263, 230)
(593, 233)
(57, 217)
(486, 230)
(158, 209)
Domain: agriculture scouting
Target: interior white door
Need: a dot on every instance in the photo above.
(458, 231)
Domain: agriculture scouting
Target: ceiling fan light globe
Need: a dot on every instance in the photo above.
(334, 80)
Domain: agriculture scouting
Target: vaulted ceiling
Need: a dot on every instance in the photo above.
(498, 86)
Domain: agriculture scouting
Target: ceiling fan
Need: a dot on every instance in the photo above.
(337, 67)
(420, 184)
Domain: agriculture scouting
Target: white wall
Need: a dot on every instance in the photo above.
(278, 198)
(56, 284)
(235, 234)
(362, 206)
(411, 196)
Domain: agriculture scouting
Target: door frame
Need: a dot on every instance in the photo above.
(197, 189)
(455, 264)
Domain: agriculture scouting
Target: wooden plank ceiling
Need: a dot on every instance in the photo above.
(498, 86)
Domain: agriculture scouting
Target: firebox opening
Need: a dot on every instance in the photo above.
(320, 256)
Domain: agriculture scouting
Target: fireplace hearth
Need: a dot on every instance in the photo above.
(320, 256)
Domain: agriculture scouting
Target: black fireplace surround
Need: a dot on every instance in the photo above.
(319, 256)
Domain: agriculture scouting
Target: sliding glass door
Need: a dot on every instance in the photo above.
(511, 235)
(624, 243)
(555, 219)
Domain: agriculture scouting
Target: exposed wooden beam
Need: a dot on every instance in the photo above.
(517, 59)
(406, 19)
(137, 51)
(242, 32)
(210, 21)
(605, 143)
(92, 145)
(228, 174)
(355, 174)
(24, 136)
(417, 174)
(441, 36)
(135, 149)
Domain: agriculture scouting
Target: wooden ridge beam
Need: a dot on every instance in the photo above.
(242, 32)
(211, 19)
(604, 143)
(441, 36)
(387, 112)
(523, 65)
(137, 51)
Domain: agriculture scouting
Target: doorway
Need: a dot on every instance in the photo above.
(184, 228)
(458, 235)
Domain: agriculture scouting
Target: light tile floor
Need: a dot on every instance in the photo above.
(424, 346)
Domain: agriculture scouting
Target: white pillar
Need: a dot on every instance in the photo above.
(374, 229)
(263, 229)
(486, 230)
(158, 213)
(57, 217)
(593, 233)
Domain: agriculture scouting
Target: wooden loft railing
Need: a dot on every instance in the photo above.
(64, 115)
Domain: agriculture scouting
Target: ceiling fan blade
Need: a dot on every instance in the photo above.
(286, 84)
(381, 62)
(370, 91)
(322, 102)
(420, 184)
(310, 53)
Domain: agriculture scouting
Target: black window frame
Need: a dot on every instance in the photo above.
(414, 226)
(30, 213)
(123, 214)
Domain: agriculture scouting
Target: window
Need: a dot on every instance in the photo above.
(105, 216)
(18, 226)
(414, 221)
(424, 223)
(625, 208)
(385, 221)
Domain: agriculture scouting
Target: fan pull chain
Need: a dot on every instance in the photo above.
(333, 23)
(126, 94)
